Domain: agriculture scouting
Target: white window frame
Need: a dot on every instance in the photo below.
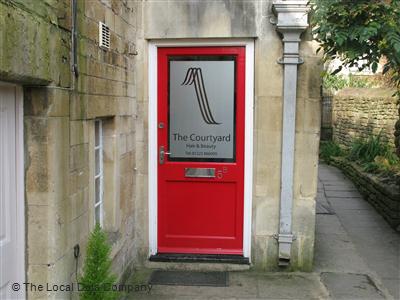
(100, 175)
(249, 112)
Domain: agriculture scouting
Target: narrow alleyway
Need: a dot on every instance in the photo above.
(352, 237)
(356, 256)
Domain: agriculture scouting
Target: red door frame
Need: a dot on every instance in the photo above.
(172, 171)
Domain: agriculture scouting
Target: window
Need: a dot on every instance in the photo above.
(202, 108)
(104, 174)
(98, 173)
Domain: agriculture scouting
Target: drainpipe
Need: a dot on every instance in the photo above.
(291, 22)
(74, 35)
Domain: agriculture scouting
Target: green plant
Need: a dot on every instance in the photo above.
(375, 156)
(366, 151)
(328, 150)
(334, 82)
(97, 280)
(360, 33)
(339, 82)
(360, 82)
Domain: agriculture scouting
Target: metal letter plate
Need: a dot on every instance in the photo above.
(200, 172)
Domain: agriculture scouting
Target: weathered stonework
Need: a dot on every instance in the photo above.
(60, 109)
(358, 113)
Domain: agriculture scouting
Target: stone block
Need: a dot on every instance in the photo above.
(102, 106)
(310, 73)
(304, 219)
(266, 216)
(79, 106)
(36, 165)
(268, 114)
(37, 274)
(78, 204)
(94, 10)
(306, 164)
(109, 18)
(78, 230)
(60, 273)
(264, 253)
(268, 73)
(57, 227)
(37, 248)
(50, 102)
(78, 180)
(126, 193)
(310, 119)
(130, 141)
(78, 156)
(79, 133)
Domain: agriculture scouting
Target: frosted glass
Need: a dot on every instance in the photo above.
(202, 110)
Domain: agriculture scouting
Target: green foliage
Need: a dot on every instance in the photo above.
(367, 150)
(334, 82)
(374, 155)
(328, 150)
(338, 82)
(360, 30)
(97, 279)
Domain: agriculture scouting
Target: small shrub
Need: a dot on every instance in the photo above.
(366, 151)
(360, 82)
(375, 156)
(339, 82)
(334, 82)
(97, 279)
(328, 150)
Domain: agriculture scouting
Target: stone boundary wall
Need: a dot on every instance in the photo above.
(360, 112)
(384, 197)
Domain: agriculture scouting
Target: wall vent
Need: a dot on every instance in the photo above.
(104, 36)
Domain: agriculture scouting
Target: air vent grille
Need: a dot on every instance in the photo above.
(104, 36)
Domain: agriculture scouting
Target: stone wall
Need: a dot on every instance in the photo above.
(59, 113)
(358, 113)
(383, 196)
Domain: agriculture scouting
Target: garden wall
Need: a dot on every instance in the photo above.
(360, 112)
(385, 197)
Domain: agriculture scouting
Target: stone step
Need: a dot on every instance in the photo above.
(200, 266)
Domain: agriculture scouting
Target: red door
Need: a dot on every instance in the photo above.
(201, 150)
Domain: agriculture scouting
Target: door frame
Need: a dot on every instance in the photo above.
(152, 131)
(20, 184)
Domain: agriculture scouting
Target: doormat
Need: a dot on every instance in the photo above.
(200, 258)
(189, 278)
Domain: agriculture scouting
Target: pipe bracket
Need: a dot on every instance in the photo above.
(282, 61)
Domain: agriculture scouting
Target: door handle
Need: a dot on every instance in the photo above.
(161, 155)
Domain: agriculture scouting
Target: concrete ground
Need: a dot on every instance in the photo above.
(356, 257)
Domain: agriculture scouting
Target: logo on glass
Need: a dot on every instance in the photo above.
(194, 76)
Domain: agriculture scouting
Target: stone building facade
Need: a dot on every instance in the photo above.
(76, 93)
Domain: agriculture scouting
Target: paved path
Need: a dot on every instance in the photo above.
(357, 237)
(356, 257)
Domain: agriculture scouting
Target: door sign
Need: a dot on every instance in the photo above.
(202, 109)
